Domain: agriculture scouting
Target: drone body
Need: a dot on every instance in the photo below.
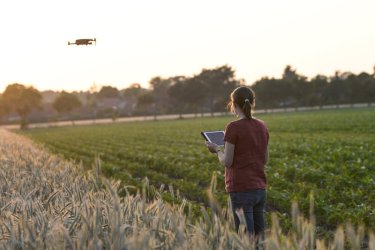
(83, 42)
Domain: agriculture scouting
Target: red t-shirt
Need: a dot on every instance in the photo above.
(250, 138)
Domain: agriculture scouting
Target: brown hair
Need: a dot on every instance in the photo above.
(244, 98)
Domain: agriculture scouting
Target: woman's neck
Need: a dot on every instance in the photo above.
(241, 116)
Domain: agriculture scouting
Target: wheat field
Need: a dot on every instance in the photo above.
(47, 202)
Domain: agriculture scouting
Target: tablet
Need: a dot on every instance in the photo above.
(216, 137)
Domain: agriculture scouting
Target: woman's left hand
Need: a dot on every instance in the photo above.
(212, 147)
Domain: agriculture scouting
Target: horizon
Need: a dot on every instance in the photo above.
(98, 86)
(146, 39)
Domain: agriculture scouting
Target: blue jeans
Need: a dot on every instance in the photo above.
(252, 203)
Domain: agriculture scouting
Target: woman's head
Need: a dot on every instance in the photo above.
(243, 98)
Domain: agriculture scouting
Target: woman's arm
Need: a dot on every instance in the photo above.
(226, 156)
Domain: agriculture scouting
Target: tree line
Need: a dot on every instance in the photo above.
(207, 91)
(294, 90)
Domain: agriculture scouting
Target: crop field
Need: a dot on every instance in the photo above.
(329, 154)
(47, 202)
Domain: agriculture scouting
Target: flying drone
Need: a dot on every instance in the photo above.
(83, 42)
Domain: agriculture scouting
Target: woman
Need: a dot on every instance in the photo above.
(244, 155)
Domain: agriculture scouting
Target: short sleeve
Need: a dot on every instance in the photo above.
(267, 132)
(230, 134)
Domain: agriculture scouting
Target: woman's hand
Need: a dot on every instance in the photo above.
(212, 147)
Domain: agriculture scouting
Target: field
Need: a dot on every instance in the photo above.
(330, 154)
(48, 203)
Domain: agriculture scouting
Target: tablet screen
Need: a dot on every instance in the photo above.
(216, 137)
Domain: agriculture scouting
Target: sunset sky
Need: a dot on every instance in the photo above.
(138, 40)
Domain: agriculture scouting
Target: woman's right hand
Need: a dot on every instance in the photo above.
(212, 147)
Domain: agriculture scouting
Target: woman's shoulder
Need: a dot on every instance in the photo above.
(260, 123)
(241, 122)
(233, 125)
(259, 120)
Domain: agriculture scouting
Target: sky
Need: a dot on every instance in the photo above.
(139, 40)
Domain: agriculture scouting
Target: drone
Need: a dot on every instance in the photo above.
(83, 42)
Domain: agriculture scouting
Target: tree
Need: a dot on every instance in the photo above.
(3, 109)
(269, 93)
(159, 87)
(130, 96)
(317, 97)
(66, 102)
(291, 90)
(108, 92)
(298, 88)
(133, 91)
(146, 103)
(180, 95)
(338, 90)
(363, 88)
(91, 103)
(290, 74)
(219, 83)
(188, 95)
(195, 94)
(21, 100)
